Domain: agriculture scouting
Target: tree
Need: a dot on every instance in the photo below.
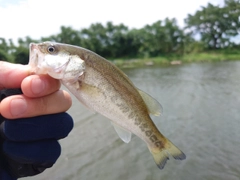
(67, 35)
(95, 38)
(6, 50)
(174, 37)
(215, 24)
(119, 40)
(108, 41)
(133, 44)
(24, 42)
(233, 9)
(4, 56)
(162, 37)
(21, 55)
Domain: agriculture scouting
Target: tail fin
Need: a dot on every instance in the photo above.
(162, 155)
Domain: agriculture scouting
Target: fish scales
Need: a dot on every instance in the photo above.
(104, 88)
(106, 71)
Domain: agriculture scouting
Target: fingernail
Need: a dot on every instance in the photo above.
(38, 85)
(18, 106)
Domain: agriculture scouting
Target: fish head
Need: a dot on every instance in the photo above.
(55, 59)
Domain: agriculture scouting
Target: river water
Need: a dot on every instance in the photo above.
(201, 116)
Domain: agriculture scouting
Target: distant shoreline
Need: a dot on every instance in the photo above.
(174, 60)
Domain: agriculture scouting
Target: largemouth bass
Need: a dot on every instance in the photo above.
(104, 88)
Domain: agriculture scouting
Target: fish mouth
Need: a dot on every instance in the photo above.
(33, 47)
(36, 59)
(41, 63)
(33, 56)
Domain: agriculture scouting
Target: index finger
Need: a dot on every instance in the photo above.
(11, 75)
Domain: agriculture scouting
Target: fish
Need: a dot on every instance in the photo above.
(102, 87)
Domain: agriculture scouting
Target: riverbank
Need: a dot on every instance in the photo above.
(177, 60)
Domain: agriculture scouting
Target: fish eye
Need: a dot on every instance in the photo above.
(51, 49)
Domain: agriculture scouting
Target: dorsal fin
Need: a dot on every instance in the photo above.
(124, 134)
(154, 107)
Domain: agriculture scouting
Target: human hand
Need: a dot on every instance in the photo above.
(41, 94)
(29, 137)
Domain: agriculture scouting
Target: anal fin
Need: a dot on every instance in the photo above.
(124, 134)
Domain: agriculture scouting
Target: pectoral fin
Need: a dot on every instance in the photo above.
(124, 134)
(78, 88)
(154, 107)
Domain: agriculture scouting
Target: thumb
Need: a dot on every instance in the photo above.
(11, 75)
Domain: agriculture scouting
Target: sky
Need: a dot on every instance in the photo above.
(34, 18)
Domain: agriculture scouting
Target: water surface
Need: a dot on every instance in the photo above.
(201, 116)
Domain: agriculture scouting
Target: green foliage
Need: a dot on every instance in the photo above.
(25, 42)
(21, 55)
(67, 35)
(4, 56)
(6, 48)
(216, 26)
(162, 37)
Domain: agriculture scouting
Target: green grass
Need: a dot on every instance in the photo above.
(128, 63)
(212, 56)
